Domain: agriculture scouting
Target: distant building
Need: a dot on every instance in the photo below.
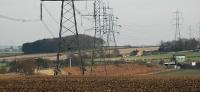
(177, 59)
(180, 58)
(194, 63)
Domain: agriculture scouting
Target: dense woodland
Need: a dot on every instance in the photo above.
(69, 43)
(180, 45)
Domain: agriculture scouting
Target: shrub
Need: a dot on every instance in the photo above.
(41, 63)
(26, 66)
(116, 53)
(3, 70)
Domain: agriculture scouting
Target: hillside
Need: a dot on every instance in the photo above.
(68, 44)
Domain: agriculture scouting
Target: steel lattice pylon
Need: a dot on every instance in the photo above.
(105, 27)
(68, 24)
(98, 18)
(178, 30)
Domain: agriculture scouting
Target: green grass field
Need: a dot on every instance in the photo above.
(182, 72)
(190, 56)
(6, 54)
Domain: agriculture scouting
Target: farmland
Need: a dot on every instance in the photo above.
(52, 56)
(129, 76)
(169, 81)
(8, 54)
(117, 70)
(190, 56)
(99, 46)
(99, 84)
(182, 72)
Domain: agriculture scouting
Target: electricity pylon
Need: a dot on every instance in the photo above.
(190, 32)
(177, 29)
(199, 31)
(68, 23)
(177, 24)
(99, 32)
(98, 28)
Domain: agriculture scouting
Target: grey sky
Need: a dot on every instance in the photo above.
(144, 22)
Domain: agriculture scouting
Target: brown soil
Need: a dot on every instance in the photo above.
(116, 70)
(99, 84)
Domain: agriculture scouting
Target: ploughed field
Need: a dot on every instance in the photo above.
(99, 84)
(117, 70)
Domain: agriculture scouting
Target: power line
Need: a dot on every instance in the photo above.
(50, 14)
(48, 29)
(55, 20)
(27, 20)
(18, 19)
(103, 26)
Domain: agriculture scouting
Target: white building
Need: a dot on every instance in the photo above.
(180, 58)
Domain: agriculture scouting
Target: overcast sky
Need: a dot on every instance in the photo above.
(144, 22)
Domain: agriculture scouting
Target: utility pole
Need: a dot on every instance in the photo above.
(70, 62)
(41, 12)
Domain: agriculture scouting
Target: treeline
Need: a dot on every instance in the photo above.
(69, 43)
(180, 45)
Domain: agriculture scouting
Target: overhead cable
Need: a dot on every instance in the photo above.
(18, 19)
